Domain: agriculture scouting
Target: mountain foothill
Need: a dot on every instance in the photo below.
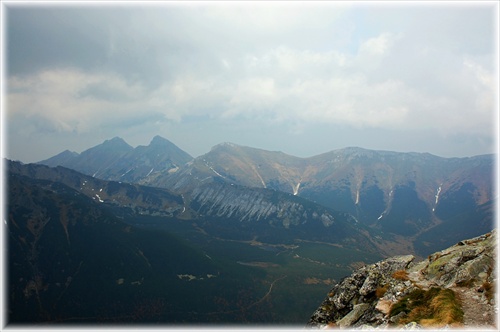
(117, 234)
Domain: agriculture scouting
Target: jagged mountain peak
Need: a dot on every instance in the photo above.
(226, 148)
(355, 149)
(225, 145)
(111, 148)
(68, 153)
(160, 141)
(247, 150)
(60, 159)
(100, 157)
(349, 153)
(362, 152)
(115, 159)
(115, 139)
(115, 142)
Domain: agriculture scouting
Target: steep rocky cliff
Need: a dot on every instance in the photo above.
(389, 293)
(139, 199)
(272, 216)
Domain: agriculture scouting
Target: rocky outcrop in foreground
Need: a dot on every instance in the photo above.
(380, 295)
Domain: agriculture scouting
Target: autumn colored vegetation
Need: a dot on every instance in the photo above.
(435, 307)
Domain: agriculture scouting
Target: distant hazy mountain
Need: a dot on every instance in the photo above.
(116, 160)
(406, 194)
(254, 216)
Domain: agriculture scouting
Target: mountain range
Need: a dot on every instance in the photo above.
(418, 200)
(118, 234)
(116, 160)
(85, 250)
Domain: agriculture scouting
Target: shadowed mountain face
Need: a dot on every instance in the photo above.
(239, 212)
(133, 254)
(70, 260)
(138, 199)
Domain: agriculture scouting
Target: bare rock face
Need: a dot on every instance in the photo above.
(468, 262)
(364, 298)
(357, 311)
(360, 288)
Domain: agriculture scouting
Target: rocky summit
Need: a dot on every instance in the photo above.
(400, 293)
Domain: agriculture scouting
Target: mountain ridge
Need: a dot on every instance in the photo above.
(68, 230)
(250, 213)
(356, 201)
(398, 194)
(408, 194)
(114, 159)
(62, 239)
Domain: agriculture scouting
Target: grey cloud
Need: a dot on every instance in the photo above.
(40, 37)
(285, 67)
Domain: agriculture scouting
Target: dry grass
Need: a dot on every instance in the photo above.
(433, 308)
(446, 310)
(400, 275)
(467, 283)
(488, 289)
(380, 291)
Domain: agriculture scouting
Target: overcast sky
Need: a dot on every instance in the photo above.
(302, 78)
